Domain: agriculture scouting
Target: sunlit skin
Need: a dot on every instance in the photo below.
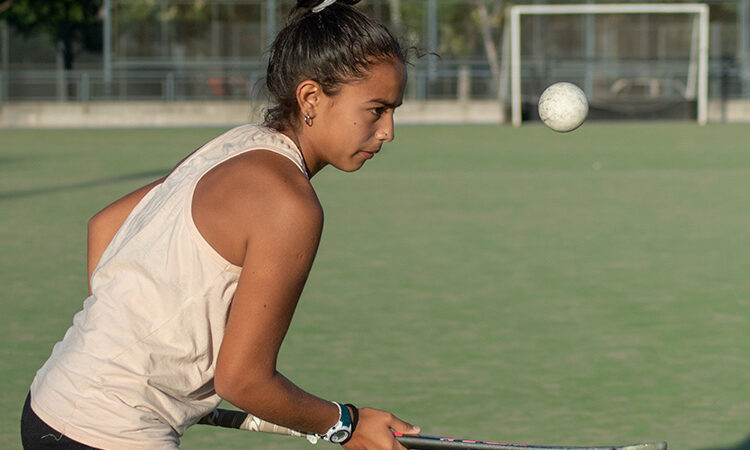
(349, 127)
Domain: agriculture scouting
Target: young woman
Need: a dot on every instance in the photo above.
(194, 278)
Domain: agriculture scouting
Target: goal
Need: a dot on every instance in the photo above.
(636, 61)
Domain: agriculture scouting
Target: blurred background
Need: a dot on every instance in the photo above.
(482, 281)
(212, 54)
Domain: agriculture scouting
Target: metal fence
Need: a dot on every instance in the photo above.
(177, 50)
(457, 80)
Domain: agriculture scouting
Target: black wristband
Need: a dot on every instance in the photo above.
(355, 416)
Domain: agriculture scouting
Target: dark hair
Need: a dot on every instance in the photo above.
(333, 46)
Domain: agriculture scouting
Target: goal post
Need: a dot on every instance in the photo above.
(696, 79)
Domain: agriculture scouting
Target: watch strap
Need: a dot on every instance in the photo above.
(341, 431)
(355, 416)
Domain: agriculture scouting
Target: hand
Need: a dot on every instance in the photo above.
(375, 431)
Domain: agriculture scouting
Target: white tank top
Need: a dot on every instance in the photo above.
(136, 367)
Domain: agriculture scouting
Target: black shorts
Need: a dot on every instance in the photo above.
(35, 434)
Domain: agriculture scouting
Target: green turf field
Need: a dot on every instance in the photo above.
(481, 282)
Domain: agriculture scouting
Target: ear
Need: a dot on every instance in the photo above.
(309, 95)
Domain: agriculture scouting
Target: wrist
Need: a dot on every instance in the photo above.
(342, 430)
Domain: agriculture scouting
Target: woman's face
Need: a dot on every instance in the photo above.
(349, 127)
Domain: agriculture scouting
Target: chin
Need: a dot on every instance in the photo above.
(352, 168)
(350, 165)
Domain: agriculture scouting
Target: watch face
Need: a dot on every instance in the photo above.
(339, 436)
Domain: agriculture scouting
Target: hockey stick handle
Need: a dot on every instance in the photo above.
(244, 421)
(241, 420)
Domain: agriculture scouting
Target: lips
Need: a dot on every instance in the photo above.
(369, 155)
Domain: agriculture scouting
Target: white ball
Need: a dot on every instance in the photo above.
(563, 107)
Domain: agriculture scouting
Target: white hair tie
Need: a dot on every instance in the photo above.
(323, 5)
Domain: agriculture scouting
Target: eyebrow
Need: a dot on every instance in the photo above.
(386, 103)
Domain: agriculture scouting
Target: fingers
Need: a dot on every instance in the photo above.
(375, 431)
(399, 426)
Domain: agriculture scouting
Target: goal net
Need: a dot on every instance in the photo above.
(634, 61)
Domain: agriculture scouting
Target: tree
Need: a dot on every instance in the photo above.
(70, 24)
(487, 21)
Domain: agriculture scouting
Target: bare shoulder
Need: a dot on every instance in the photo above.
(257, 192)
(263, 178)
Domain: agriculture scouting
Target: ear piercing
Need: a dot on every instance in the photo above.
(308, 119)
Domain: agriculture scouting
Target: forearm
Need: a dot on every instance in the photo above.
(104, 225)
(278, 400)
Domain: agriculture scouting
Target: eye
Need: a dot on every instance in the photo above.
(378, 111)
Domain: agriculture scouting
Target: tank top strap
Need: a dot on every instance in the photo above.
(239, 140)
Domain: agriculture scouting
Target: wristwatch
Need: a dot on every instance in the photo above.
(341, 432)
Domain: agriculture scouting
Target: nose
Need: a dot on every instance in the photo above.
(386, 133)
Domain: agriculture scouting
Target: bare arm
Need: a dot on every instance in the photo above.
(281, 223)
(103, 226)
(271, 214)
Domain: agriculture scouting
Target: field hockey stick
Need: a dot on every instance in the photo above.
(244, 421)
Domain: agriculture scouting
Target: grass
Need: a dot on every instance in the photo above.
(483, 282)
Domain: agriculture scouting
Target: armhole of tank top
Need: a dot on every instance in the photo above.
(188, 211)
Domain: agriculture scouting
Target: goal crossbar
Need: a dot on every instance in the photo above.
(699, 9)
(631, 8)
